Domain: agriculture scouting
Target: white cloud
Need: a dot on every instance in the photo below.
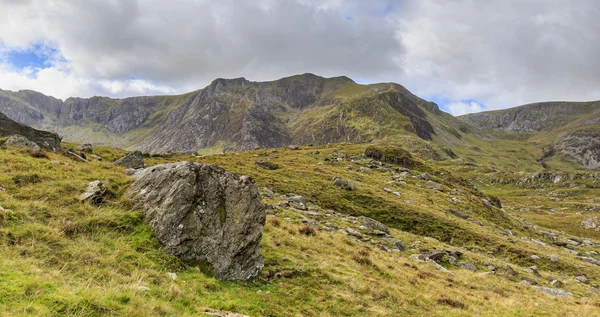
(460, 108)
(500, 53)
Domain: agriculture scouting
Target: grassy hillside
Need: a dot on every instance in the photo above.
(61, 257)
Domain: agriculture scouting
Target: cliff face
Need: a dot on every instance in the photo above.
(236, 114)
(570, 128)
(47, 140)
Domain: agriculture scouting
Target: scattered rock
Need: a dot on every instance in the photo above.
(267, 165)
(143, 288)
(437, 266)
(374, 224)
(589, 260)
(556, 283)
(131, 160)
(95, 157)
(437, 256)
(535, 257)
(552, 291)
(343, 184)
(172, 276)
(534, 270)
(94, 194)
(434, 186)
(395, 243)
(529, 281)
(452, 260)
(553, 258)
(458, 213)
(76, 157)
(354, 233)
(468, 266)
(86, 148)
(425, 176)
(202, 213)
(510, 270)
(582, 279)
(591, 223)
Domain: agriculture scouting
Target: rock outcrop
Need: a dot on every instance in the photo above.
(21, 142)
(45, 140)
(204, 214)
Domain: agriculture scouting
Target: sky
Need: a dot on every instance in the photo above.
(465, 55)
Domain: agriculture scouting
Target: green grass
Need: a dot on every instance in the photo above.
(64, 258)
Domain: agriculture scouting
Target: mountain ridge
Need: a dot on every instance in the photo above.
(235, 114)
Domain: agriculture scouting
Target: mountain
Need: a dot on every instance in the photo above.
(571, 129)
(237, 114)
(47, 140)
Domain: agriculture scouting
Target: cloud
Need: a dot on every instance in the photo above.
(501, 53)
(461, 107)
(187, 44)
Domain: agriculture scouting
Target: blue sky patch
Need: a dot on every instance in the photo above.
(36, 56)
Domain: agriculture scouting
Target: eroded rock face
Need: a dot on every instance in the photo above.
(204, 214)
(21, 142)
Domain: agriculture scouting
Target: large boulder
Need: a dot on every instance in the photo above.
(21, 142)
(204, 214)
(131, 160)
(46, 140)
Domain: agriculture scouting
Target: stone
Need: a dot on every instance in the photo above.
(552, 291)
(143, 288)
(458, 213)
(535, 257)
(76, 157)
(395, 243)
(95, 157)
(582, 279)
(267, 165)
(172, 276)
(203, 214)
(468, 266)
(86, 148)
(534, 270)
(343, 184)
(589, 260)
(591, 223)
(529, 281)
(94, 194)
(510, 270)
(452, 260)
(374, 224)
(434, 186)
(436, 265)
(20, 142)
(425, 176)
(556, 283)
(553, 258)
(131, 160)
(354, 233)
(437, 256)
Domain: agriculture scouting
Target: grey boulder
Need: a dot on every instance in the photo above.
(204, 214)
(131, 160)
(21, 142)
(94, 193)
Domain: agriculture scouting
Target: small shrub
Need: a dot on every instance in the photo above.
(275, 222)
(24, 180)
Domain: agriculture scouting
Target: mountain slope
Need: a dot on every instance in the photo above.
(571, 129)
(238, 114)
